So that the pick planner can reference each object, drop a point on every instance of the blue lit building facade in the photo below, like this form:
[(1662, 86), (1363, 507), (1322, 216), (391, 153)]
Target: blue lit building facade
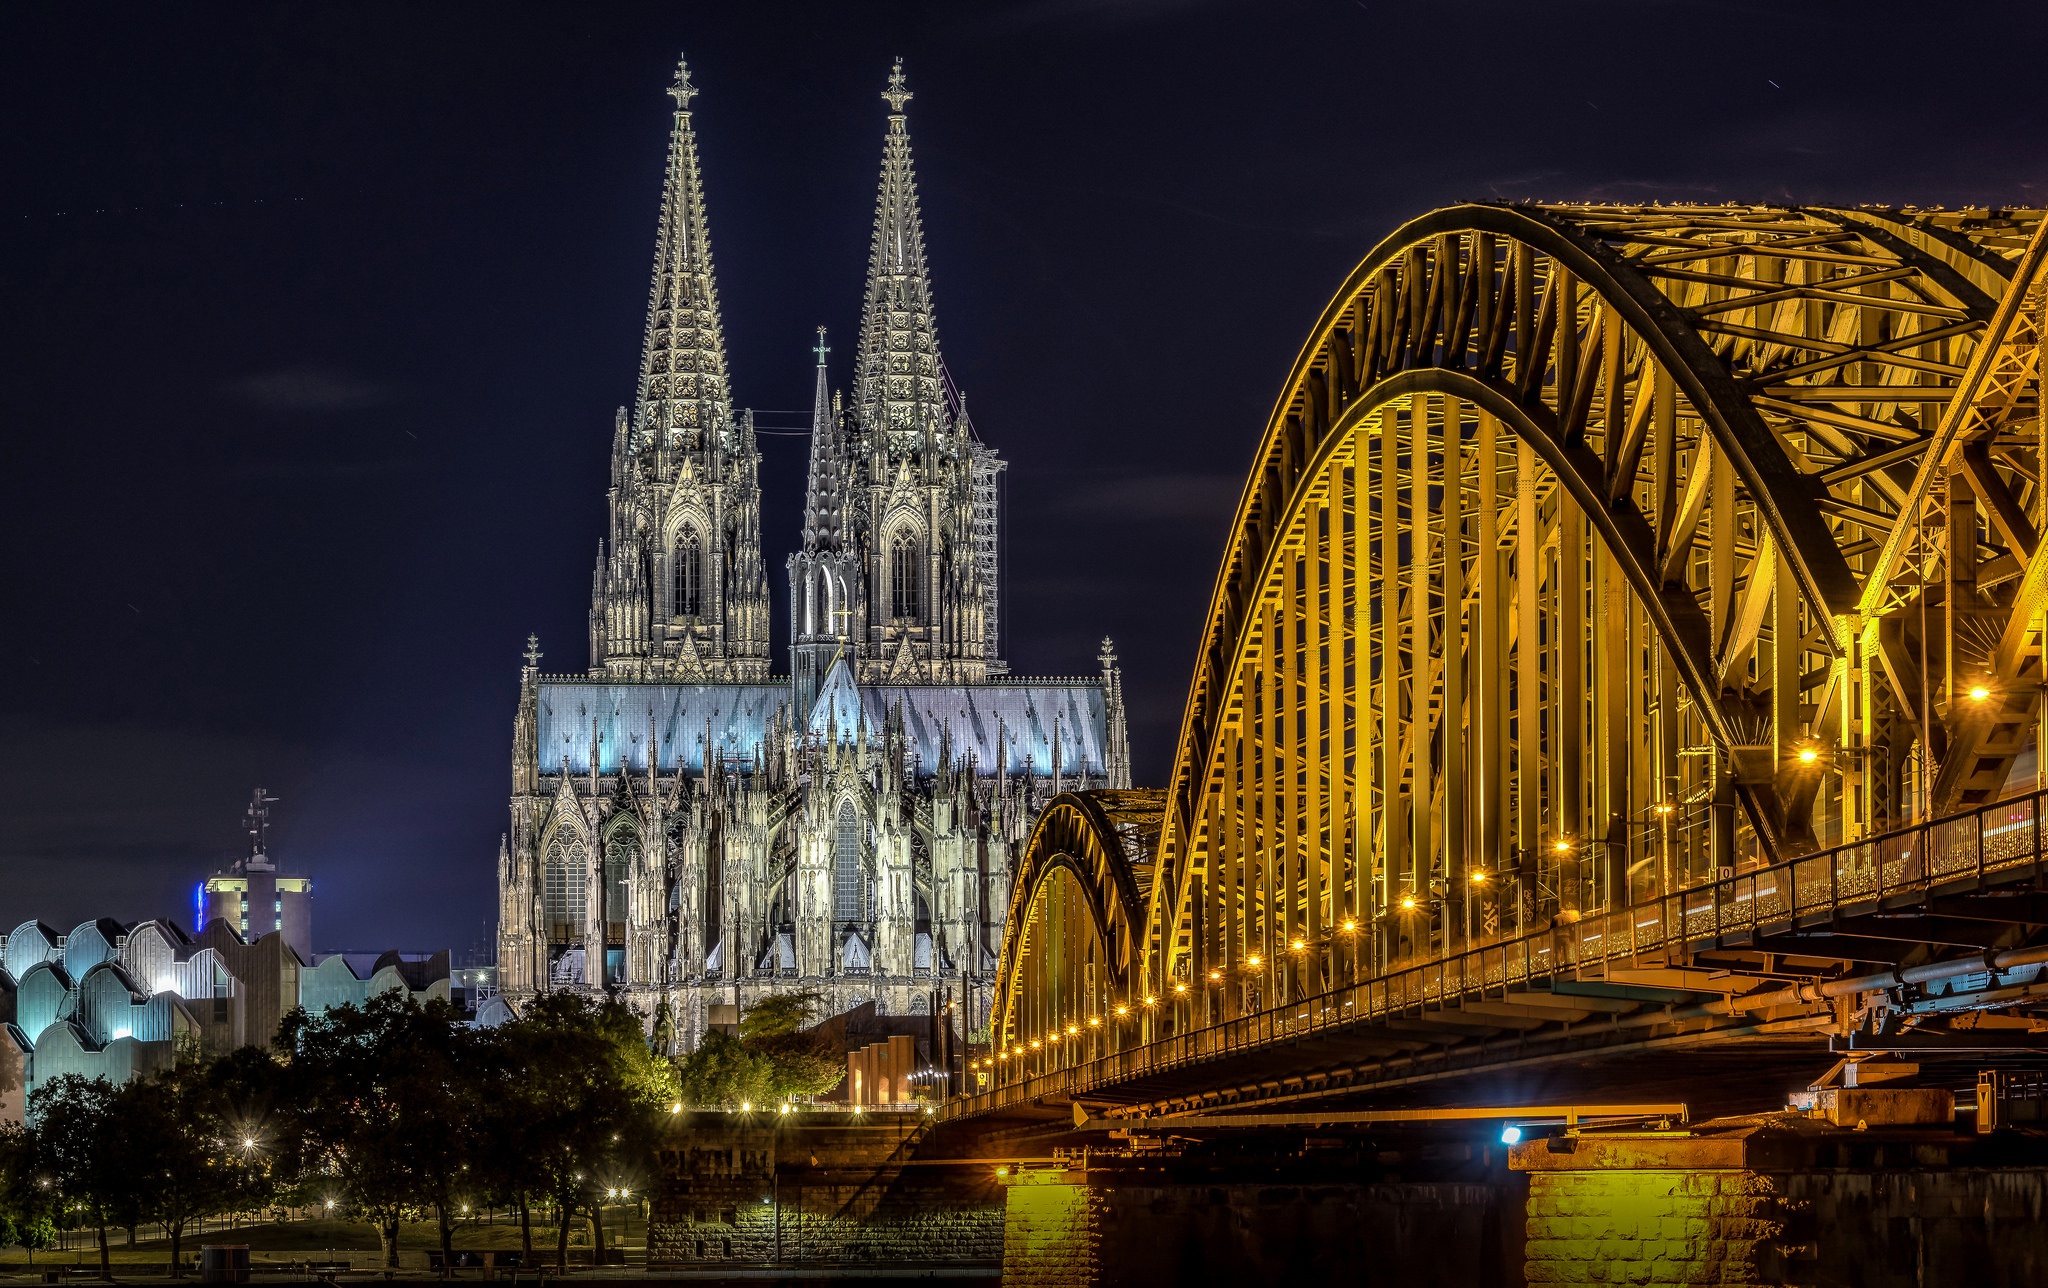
[(113, 1001)]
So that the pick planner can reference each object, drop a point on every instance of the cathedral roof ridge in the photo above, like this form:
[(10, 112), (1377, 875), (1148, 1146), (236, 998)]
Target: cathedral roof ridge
[(1006, 681)]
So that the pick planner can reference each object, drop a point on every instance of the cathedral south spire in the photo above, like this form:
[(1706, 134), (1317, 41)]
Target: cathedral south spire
[(683, 393), (921, 490), (898, 386)]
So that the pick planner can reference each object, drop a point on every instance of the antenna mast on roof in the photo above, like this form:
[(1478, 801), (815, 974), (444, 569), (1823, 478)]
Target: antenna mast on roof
[(256, 820)]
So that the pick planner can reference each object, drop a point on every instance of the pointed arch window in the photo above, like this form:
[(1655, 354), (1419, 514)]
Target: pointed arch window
[(621, 852), (686, 572), (849, 902), (905, 576), (564, 880)]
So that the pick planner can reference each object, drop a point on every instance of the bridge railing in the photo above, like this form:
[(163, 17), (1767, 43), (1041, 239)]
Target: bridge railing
[(1995, 838)]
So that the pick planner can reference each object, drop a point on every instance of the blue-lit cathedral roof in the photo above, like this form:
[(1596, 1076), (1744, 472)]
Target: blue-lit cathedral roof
[(618, 719)]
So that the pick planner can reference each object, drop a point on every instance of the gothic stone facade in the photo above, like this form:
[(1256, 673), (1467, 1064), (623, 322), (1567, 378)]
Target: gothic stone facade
[(693, 834)]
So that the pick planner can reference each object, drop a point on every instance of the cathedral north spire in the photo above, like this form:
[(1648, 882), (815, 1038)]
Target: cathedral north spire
[(684, 394), (898, 387)]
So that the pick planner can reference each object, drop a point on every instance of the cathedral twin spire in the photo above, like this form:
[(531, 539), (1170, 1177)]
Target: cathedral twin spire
[(896, 562), (897, 382), (684, 391)]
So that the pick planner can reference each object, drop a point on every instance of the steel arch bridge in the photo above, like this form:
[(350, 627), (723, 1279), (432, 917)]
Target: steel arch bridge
[(1591, 554)]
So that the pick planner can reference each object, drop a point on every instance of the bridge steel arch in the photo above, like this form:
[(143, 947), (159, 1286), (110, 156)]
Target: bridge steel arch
[(1591, 551), (1076, 917)]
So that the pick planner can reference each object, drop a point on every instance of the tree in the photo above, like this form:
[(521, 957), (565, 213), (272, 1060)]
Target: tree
[(499, 1163), (86, 1140), (196, 1140), (799, 1063), (772, 1059), (372, 1104), (722, 1071), (436, 1094), (587, 1092), (28, 1198)]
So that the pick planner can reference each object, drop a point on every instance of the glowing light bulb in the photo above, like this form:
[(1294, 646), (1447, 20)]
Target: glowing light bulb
[(1123, 1010), (1349, 925), (1408, 902), (1978, 693), (746, 1106), (1477, 878), (1562, 846), (1094, 1021), (1510, 1135), (1807, 755), (1179, 987), (1297, 945), (1663, 807), (676, 1108), (1149, 999), (1252, 960)]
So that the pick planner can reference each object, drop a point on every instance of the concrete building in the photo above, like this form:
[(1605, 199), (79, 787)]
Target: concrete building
[(112, 1001), (253, 896)]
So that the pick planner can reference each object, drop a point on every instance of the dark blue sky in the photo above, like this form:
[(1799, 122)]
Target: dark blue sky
[(315, 317)]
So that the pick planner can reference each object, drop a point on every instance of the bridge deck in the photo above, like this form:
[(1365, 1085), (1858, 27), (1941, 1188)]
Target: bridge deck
[(1943, 901)]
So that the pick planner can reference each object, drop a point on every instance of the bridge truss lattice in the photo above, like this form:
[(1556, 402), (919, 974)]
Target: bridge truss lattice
[(1592, 553)]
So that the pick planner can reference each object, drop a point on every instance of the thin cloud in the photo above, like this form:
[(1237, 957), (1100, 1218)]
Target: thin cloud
[(310, 389), (1183, 497), (1092, 13)]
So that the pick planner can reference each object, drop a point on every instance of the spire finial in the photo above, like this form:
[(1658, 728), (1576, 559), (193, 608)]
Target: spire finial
[(896, 96), (819, 348), (683, 91), (533, 653)]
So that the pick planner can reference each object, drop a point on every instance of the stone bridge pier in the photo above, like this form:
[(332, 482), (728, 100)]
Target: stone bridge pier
[(1886, 1189)]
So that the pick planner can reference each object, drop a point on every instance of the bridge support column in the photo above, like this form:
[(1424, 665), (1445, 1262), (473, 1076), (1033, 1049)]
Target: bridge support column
[(1787, 1200), (1254, 1218), (1050, 1236)]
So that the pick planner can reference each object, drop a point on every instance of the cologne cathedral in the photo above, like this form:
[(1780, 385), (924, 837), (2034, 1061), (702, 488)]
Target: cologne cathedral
[(691, 832)]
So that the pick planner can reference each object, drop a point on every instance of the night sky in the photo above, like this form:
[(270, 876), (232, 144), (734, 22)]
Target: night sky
[(313, 320)]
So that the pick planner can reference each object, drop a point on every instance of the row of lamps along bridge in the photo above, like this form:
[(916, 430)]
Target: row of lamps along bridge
[(1808, 752)]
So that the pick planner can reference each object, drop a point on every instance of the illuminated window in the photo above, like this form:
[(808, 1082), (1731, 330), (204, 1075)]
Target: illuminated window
[(847, 902), (905, 576), (563, 882), (621, 852), (688, 570)]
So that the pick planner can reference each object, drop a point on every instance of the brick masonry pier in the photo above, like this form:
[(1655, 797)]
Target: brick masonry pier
[(1867, 1197), (815, 1193)]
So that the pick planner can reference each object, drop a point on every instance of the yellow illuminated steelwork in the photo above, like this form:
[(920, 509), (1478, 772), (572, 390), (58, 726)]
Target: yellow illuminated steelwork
[(1566, 514)]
